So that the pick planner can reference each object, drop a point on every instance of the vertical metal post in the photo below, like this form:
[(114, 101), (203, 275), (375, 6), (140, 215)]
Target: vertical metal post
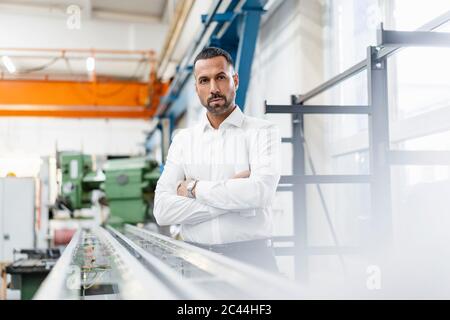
[(166, 133), (299, 200), (381, 216), (246, 49)]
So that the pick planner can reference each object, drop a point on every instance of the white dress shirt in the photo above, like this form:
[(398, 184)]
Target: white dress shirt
[(225, 210)]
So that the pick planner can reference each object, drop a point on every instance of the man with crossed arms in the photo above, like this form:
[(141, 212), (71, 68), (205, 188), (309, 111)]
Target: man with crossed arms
[(220, 177)]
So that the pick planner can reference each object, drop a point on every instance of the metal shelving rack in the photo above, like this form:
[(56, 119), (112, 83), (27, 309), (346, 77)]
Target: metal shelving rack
[(381, 156)]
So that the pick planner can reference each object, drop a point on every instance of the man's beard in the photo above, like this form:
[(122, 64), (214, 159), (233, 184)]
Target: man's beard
[(218, 109)]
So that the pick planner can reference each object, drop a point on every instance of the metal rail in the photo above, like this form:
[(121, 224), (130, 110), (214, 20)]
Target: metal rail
[(221, 277), (430, 26), (136, 282), (103, 263), (119, 270), (165, 274), (55, 285)]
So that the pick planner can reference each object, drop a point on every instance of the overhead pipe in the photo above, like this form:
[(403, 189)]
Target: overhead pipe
[(182, 11), (76, 50)]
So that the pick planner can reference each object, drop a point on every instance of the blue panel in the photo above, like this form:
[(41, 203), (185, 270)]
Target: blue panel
[(246, 50)]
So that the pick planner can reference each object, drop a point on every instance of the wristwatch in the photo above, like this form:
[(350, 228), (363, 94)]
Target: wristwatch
[(190, 186)]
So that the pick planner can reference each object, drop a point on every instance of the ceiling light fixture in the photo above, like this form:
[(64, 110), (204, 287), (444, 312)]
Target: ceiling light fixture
[(9, 64), (90, 64)]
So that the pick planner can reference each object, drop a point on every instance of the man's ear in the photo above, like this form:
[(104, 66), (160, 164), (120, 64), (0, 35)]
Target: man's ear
[(236, 80)]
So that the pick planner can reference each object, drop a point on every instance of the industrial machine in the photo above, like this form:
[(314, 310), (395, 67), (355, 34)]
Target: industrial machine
[(78, 180), (129, 187), (104, 263)]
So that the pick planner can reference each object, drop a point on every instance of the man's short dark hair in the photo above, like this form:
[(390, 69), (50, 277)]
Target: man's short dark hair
[(212, 52)]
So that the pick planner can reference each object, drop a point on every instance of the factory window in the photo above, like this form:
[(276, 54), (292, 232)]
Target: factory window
[(418, 88), (420, 95), (419, 110), (418, 78)]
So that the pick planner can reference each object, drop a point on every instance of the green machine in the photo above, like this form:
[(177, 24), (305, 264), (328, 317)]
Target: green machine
[(129, 187), (78, 180)]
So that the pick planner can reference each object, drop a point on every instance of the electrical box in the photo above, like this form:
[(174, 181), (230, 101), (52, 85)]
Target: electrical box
[(17, 215)]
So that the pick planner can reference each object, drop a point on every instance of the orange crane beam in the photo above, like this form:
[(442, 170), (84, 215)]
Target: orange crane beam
[(74, 112), (113, 99)]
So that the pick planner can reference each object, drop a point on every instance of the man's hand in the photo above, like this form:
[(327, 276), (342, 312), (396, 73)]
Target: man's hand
[(182, 188), (242, 174)]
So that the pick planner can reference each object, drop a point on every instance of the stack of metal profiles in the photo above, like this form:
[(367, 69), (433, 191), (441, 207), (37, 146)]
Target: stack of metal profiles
[(139, 264)]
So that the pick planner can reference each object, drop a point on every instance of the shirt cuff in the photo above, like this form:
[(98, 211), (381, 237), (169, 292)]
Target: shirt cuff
[(201, 190)]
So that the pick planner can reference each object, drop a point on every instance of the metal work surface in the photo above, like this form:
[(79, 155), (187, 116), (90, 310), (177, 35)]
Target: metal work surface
[(219, 276), (95, 266), (139, 264)]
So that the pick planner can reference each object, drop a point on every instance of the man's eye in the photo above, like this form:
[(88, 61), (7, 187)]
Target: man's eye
[(221, 77), (203, 81)]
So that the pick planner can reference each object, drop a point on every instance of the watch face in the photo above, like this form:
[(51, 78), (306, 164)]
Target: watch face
[(189, 188)]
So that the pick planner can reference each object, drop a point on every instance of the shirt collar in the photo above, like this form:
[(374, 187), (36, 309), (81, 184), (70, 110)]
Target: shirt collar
[(236, 118)]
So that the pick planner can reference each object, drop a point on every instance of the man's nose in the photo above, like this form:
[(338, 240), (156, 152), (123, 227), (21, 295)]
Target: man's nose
[(214, 88)]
